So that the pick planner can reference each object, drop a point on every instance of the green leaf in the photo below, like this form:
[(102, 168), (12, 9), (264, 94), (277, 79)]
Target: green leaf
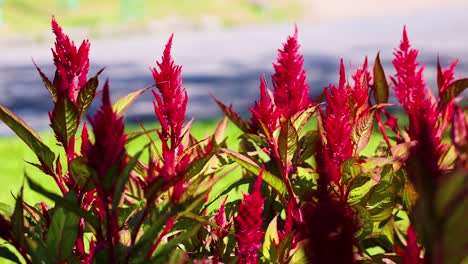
[(47, 83), (360, 188), (65, 119), (63, 231), (380, 89), (123, 179), (81, 173), (233, 116), (65, 203), (122, 104), (271, 237), (7, 253), (164, 250), (381, 200), (365, 222), (87, 93), (350, 170), (287, 142), (298, 255), (28, 135), (248, 164), (454, 89), (308, 144), (362, 131), (197, 165), (17, 220)]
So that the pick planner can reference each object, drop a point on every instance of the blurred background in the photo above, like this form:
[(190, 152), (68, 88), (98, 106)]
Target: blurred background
[(223, 45)]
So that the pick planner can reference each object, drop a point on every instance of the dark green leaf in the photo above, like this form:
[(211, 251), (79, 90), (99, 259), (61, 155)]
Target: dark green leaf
[(82, 173), (233, 116), (380, 88), (454, 89), (27, 134), (365, 223), (47, 83), (361, 187), (308, 144), (122, 104), (65, 120), (17, 220), (248, 164), (63, 231), (65, 203), (381, 199), (6, 253), (87, 93)]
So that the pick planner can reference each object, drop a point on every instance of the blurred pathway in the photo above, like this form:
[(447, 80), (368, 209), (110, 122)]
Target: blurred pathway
[(228, 64)]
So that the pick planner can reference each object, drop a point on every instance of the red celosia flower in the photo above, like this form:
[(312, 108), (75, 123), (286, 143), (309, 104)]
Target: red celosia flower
[(360, 93), (72, 64), (291, 92), (337, 126), (170, 107), (109, 138), (264, 112), (248, 224)]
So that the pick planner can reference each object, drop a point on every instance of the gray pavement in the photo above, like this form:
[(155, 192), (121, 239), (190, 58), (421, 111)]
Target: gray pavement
[(228, 63)]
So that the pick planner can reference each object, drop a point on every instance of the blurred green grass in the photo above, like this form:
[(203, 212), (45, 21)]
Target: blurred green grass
[(14, 155), (31, 16)]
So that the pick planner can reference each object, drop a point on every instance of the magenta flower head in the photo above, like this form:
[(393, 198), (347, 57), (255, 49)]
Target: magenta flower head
[(72, 64), (291, 91), (171, 104), (109, 138), (337, 126), (248, 224)]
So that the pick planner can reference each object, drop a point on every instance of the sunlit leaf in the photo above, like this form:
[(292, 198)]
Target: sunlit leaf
[(122, 104), (380, 89), (28, 135), (233, 116)]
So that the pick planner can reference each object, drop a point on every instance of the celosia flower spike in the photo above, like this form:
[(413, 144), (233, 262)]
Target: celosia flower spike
[(110, 139), (72, 64), (291, 91), (248, 224), (337, 127), (171, 104)]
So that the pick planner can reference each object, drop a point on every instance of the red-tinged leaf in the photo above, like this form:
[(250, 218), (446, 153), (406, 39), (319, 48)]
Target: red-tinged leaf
[(63, 231), (87, 94), (287, 142), (454, 89), (122, 104), (47, 83), (380, 88), (17, 220), (362, 131), (29, 136), (276, 183), (65, 119), (233, 116), (459, 129), (301, 119), (440, 77), (220, 130)]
